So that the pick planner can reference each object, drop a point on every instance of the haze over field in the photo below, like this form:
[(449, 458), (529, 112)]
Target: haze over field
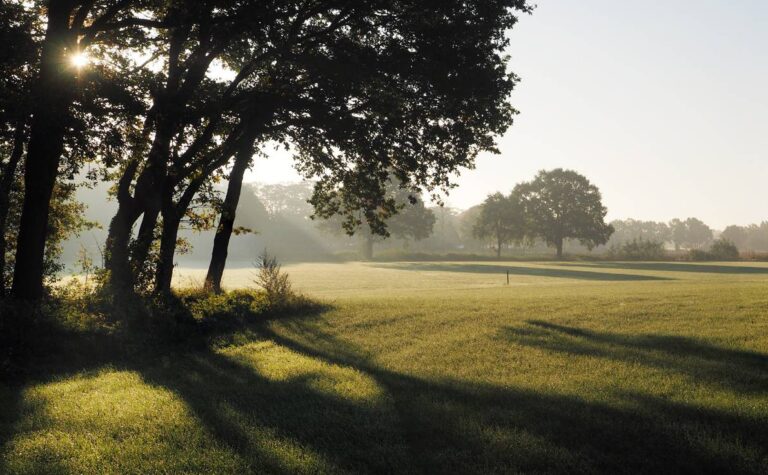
[(661, 104)]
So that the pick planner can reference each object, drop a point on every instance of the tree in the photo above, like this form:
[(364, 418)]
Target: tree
[(359, 89), (407, 105), (738, 235), (631, 230), (71, 27), (501, 220), (690, 234), (407, 218), (562, 204)]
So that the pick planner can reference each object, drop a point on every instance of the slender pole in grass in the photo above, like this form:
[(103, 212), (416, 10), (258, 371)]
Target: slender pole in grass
[(507, 276)]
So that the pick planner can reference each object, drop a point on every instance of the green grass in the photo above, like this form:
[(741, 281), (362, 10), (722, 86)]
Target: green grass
[(438, 368)]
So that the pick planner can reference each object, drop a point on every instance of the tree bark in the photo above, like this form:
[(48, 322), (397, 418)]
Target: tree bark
[(164, 274), (144, 239), (146, 200), (559, 245), (6, 188), (53, 97), (227, 220)]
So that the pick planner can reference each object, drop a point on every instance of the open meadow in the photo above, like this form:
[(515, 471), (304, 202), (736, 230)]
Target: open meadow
[(434, 367)]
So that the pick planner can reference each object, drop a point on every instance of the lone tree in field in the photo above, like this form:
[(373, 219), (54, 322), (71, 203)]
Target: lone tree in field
[(561, 204), (501, 220)]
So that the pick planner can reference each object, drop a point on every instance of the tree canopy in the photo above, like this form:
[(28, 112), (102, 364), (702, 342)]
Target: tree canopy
[(163, 96), (562, 204), (501, 220)]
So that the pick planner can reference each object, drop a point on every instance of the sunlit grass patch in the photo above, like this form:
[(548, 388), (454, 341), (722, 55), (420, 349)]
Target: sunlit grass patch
[(110, 421), (439, 370)]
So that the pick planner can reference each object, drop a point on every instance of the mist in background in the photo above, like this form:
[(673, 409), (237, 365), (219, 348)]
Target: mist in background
[(661, 104)]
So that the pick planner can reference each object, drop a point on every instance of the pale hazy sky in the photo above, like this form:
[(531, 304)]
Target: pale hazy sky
[(662, 104)]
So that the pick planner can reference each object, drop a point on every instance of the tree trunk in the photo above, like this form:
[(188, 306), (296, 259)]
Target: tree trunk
[(227, 220), (164, 273), (53, 98), (6, 188), (559, 245), (144, 240), (367, 247), (146, 199), (498, 248), (117, 248)]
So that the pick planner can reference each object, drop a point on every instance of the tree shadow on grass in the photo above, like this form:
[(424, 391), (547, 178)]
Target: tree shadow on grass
[(674, 267), (290, 400), (286, 422), (521, 271), (462, 427), (740, 370)]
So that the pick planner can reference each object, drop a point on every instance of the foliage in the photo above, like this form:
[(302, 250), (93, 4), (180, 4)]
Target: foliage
[(632, 229), (724, 249), (501, 220), (272, 279), (639, 249), (720, 250), (66, 221), (753, 237), (690, 234), (561, 204)]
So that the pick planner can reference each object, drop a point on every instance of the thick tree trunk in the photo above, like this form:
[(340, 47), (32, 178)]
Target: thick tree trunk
[(6, 188), (146, 200), (117, 248), (227, 220), (144, 239), (559, 246), (53, 98), (164, 273)]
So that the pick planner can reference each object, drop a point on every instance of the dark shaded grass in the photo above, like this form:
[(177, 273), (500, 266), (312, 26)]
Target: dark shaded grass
[(451, 426), (447, 424), (674, 267), (740, 370), (522, 271)]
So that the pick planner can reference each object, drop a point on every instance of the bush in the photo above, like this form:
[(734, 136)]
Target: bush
[(273, 280), (640, 249), (723, 249), (698, 255)]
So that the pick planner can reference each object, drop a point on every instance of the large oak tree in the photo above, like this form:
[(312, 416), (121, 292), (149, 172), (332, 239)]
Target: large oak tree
[(562, 204)]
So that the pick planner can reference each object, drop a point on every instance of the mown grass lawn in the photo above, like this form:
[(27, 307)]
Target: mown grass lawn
[(436, 368)]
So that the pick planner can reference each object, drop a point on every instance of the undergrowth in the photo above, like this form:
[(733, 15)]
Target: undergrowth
[(80, 324)]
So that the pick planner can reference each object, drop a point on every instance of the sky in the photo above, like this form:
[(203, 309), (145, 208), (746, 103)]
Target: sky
[(662, 104)]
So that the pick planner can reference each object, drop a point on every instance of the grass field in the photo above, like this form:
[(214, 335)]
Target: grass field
[(435, 368)]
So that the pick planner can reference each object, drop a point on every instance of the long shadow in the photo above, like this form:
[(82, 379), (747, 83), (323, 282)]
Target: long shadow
[(256, 416), (522, 271), (461, 427), (739, 370), (431, 425), (674, 267)]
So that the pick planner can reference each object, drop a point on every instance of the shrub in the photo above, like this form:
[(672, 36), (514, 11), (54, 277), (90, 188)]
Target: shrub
[(724, 249), (640, 249), (273, 280), (698, 255)]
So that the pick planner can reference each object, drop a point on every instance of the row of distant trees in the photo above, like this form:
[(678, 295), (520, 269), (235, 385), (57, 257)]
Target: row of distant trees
[(278, 217)]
